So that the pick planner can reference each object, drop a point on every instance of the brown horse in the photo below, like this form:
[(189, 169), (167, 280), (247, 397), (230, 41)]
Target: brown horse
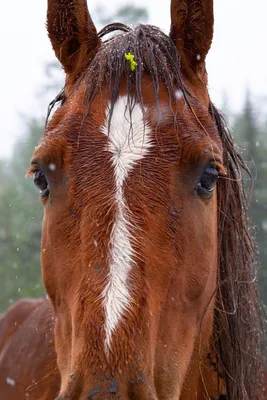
[(28, 367), (146, 256), (28, 360)]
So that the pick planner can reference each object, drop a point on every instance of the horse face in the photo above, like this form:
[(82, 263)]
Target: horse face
[(129, 242)]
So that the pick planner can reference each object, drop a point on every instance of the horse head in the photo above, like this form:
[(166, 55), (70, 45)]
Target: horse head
[(142, 209)]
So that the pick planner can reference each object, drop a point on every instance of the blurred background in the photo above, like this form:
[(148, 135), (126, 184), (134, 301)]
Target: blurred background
[(30, 78)]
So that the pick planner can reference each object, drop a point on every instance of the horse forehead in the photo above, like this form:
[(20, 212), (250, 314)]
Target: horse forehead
[(128, 132)]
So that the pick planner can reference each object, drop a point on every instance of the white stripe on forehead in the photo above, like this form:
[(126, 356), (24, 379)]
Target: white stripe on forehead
[(128, 140)]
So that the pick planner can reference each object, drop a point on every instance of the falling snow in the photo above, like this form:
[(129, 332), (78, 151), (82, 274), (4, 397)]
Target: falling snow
[(10, 381), (52, 167), (178, 94)]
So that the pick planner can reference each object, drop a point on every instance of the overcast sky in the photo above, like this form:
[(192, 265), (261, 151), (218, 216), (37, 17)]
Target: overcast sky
[(237, 60)]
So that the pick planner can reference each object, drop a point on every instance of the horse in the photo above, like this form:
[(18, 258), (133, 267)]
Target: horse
[(146, 254), (28, 367)]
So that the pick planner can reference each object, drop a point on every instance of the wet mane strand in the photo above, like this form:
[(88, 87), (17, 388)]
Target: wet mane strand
[(238, 330), (155, 54), (237, 327)]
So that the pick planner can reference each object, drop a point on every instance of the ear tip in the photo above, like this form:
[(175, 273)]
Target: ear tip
[(192, 30), (71, 31)]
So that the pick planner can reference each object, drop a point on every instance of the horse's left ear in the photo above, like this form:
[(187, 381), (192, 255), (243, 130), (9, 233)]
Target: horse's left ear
[(72, 33), (192, 31)]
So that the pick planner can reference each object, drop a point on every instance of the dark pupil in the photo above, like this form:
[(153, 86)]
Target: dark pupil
[(40, 180), (209, 178)]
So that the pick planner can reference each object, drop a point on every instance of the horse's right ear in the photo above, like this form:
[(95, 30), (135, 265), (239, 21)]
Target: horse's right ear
[(192, 32), (72, 33)]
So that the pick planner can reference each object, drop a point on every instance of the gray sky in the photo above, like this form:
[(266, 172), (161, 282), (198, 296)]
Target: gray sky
[(237, 60)]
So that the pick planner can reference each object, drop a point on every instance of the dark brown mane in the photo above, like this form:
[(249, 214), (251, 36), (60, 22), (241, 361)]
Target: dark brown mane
[(155, 53), (237, 328)]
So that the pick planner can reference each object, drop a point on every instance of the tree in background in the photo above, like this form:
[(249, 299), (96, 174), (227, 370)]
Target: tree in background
[(252, 136), (20, 222), (128, 14)]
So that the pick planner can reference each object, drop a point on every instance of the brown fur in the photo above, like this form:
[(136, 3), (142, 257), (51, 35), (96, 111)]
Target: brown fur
[(192, 31), (186, 332), (27, 357)]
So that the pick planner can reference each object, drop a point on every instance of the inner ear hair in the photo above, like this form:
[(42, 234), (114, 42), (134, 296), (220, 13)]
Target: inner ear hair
[(192, 31), (72, 33)]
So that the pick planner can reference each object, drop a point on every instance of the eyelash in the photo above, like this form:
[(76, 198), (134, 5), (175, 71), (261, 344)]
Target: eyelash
[(41, 182), (209, 178)]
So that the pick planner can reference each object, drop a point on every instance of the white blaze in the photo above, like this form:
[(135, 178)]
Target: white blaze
[(128, 141)]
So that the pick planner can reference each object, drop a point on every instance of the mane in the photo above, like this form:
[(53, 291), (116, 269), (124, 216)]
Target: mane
[(238, 330), (155, 53), (237, 333)]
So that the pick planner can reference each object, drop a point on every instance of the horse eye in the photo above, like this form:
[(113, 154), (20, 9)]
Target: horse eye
[(41, 182), (208, 181)]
